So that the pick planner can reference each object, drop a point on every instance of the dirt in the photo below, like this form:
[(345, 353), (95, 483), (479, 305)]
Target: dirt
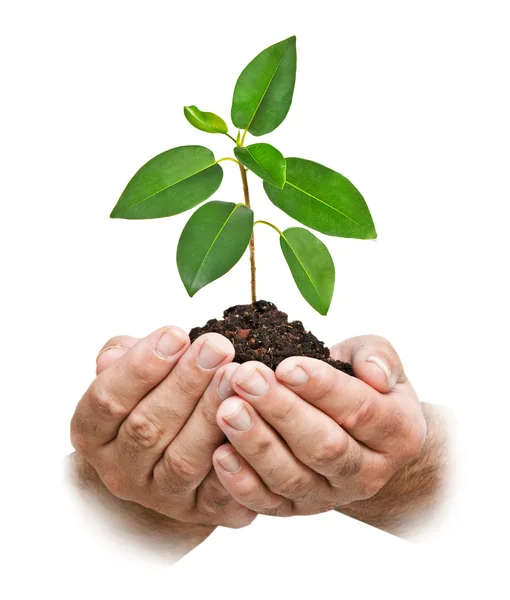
[(260, 331)]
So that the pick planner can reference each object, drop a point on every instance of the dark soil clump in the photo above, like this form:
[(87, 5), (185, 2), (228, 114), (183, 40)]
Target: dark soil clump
[(259, 331)]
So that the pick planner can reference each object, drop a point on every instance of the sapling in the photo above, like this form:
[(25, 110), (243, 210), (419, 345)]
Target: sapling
[(218, 233)]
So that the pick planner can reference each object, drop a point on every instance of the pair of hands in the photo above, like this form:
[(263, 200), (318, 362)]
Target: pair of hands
[(302, 440)]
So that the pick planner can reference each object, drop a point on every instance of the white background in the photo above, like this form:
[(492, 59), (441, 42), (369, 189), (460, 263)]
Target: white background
[(410, 101)]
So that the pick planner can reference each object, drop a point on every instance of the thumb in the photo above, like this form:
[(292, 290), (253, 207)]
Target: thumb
[(374, 361)]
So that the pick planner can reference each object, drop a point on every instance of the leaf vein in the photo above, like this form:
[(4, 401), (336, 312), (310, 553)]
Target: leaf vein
[(167, 187), (325, 204), (212, 244), (267, 88)]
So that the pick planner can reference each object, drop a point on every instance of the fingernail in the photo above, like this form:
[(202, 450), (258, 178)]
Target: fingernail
[(254, 384), (385, 368), (294, 375), (210, 357), (116, 347), (236, 415), (170, 342), (230, 462), (224, 387)]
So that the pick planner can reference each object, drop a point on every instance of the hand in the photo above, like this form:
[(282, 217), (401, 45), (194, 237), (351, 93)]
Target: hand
[(147, 424), (309, 438)]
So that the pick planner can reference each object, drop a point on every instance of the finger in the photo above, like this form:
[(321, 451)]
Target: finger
[(373, 359), (245, 486), (190, 453), (267, 453), (113, 350), (314, 438), (117, 390), (377, 420), (157, 419), (216, 506)]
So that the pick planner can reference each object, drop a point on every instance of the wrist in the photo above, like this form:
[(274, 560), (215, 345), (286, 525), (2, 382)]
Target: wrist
[(413, 495), (151, 529)]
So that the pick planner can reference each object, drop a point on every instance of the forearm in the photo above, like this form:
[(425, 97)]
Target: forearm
[(158, 532), (413, 495)]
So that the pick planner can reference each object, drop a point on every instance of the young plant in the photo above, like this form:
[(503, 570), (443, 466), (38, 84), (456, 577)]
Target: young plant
[(218, 233)]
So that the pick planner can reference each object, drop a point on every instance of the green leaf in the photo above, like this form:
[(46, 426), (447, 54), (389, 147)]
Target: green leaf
[(323, 200), (265, 161), (212, 242), (169, 184), (205, 121), (263, 92), (311, 266)]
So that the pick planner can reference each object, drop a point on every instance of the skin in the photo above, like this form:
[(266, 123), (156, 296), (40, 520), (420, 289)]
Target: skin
[(307, 438), (150, 437), (147, 425)]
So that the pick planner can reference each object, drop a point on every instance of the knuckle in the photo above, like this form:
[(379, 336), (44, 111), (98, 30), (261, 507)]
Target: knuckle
[(329, 450), (414, 440), (246, 491), (295, 486), (370, 487), (214, 501), (348, 467), (185, 384), (79, 442), (79, 439), (362, 416), (144, 370), (181, 474), (275, 510), (260, 449), (239, 522), (281, 411), (207, 416), (140, 429), (115, 484), (325, 380), (106, 402)]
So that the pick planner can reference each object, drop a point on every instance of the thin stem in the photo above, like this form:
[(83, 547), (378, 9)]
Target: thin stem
[(233, 139), (272, 227), (252, 239), (243, 137), (228, 158)]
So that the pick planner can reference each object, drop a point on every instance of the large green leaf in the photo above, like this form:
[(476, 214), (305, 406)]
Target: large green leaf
[(169, 184), (212, 242), (263, 92), (205, 121), (311, 266), (265, 161), (323, 199)]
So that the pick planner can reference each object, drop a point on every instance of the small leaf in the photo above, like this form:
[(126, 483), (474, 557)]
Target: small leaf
[(265, 161), (263, 92), (205, 121), (311, 266), (323, 200), (169, 184), (212, 242)]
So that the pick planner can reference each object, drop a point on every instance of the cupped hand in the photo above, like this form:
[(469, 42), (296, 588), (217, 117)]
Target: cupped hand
[(309, 438), (147, 424)]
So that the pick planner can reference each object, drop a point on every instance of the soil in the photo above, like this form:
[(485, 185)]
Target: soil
[(260, 331)]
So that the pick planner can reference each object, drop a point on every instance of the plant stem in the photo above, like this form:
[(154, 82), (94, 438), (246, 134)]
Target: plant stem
[(252, 240), (243, 137)]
